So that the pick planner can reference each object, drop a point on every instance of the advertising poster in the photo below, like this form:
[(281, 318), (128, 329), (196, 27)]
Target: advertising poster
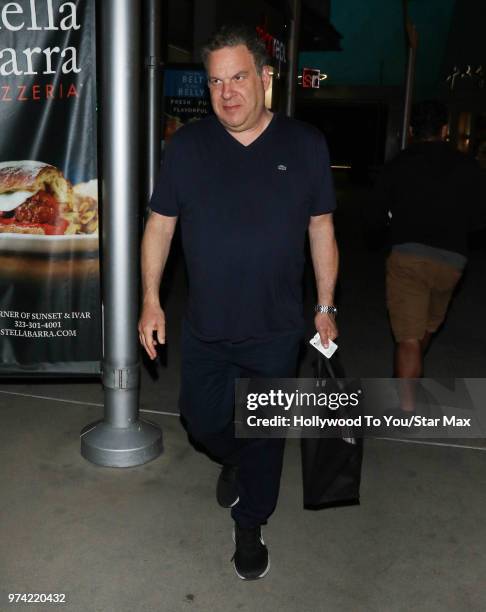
[(186, 98), (49, 247)]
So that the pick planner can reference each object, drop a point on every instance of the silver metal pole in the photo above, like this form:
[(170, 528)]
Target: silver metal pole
[(293, 58), (153, 93), (411, 38), (407, 110), (121, 439)]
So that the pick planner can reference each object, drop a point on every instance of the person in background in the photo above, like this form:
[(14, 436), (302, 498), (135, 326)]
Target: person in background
[(431, 196)]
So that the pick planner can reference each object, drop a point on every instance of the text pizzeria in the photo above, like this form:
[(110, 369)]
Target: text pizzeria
[(34, 60), (24, 93)]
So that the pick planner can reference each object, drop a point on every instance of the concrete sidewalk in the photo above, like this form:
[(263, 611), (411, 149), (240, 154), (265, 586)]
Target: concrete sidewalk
[(152, 538)]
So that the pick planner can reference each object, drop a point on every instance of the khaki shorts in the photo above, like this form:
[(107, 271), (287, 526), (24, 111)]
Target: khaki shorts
[(418, 292)]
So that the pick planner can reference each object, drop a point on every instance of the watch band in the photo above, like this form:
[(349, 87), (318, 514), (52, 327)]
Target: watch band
[(326, 308)]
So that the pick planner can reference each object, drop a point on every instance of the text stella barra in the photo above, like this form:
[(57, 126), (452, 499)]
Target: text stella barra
[(39, 15)]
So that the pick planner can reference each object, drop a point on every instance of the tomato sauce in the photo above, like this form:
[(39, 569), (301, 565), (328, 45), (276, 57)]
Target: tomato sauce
[(41, 210)]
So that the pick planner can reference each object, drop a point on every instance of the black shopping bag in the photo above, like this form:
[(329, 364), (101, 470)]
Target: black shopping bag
[(331, 467)]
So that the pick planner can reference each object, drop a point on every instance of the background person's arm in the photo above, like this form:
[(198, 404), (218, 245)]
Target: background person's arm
[(156, 243), (376, 206), (325, 259)]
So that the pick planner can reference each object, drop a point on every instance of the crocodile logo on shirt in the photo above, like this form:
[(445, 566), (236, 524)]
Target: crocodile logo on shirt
[(282, 167)]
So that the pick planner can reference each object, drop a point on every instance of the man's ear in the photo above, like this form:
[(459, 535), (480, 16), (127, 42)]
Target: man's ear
[(411, 132), (266, 77), (444, 132)]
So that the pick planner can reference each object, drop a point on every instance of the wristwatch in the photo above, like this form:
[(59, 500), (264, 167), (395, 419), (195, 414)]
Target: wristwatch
[(325, 308)]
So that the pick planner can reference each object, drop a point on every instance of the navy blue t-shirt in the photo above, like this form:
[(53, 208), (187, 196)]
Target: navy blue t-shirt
[(244, 213)]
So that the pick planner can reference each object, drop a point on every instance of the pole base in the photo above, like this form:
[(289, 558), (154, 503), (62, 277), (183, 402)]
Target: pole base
[(109, 446)]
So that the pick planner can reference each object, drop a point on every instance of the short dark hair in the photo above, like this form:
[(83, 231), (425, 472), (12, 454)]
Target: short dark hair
[(233, 36), (428, 118)]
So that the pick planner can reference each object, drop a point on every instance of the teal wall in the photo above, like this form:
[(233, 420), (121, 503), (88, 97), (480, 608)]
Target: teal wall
[(374, 48)]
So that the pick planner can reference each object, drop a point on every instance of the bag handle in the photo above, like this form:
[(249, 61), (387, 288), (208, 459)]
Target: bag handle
[(324, 368)]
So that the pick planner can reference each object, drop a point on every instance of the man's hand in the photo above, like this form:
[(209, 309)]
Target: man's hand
[(326, 326), (155, 249), (325, 258), (152, 319)]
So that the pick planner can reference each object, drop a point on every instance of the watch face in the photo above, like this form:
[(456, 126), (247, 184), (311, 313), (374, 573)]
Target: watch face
[(326, 309)]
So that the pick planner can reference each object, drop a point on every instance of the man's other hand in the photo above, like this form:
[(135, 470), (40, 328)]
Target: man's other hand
[(152, 320), (326, 326)]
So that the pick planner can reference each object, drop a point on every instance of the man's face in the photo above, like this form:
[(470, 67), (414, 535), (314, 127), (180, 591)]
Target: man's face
[(237, 91)]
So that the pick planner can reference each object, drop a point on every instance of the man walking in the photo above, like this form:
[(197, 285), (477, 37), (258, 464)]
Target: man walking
[(431, 195), (246, 186)]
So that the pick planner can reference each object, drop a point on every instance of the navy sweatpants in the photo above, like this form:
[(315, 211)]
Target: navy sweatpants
[(209, 370)]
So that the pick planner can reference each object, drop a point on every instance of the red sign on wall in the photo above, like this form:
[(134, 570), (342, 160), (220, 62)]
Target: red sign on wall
[(311, 78), (275, 48)]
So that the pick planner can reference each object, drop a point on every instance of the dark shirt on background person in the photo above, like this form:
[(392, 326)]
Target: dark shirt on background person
[(432, 196)]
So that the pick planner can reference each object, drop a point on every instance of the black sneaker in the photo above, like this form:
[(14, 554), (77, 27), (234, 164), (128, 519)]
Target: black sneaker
[(251, 558), (227, 489)]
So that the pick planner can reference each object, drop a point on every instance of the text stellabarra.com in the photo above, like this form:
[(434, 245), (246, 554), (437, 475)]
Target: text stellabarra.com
[(281, 399), (365, 420)]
